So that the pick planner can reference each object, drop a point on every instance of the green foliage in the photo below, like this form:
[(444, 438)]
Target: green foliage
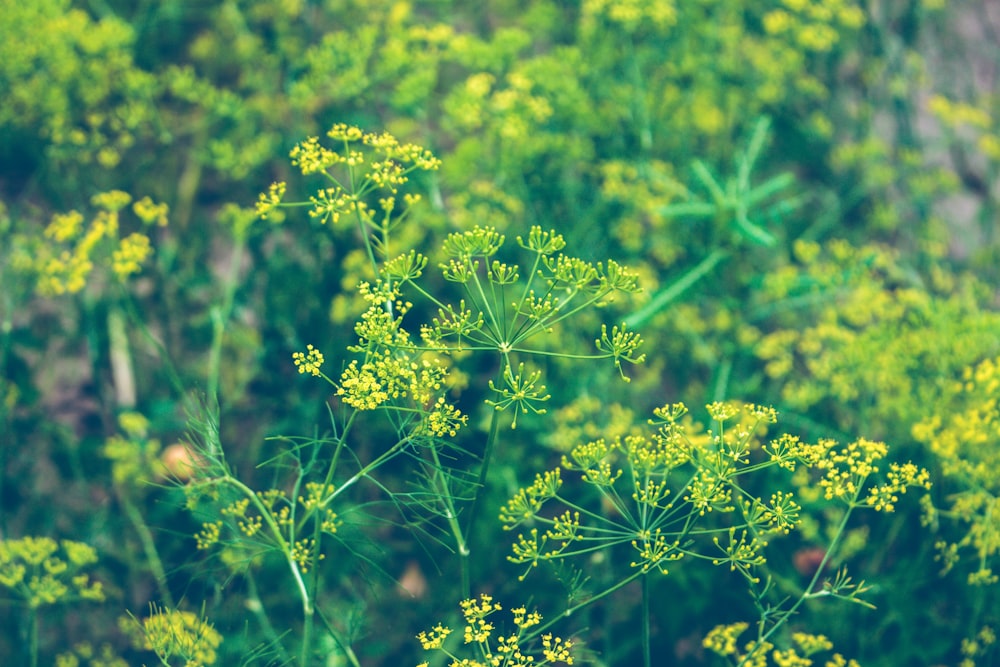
[(869, 305), (802, 191), (961, 436)]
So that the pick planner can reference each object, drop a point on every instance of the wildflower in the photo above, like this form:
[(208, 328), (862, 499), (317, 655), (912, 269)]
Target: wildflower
[(310, 157), (170, 633), (722, 638), (556, 649), (64, 226), (309, 361), (520, 391), (305, 553), (434, 638), (112, 201), (209, 534), (445, 419), (268, 202), (329, 204), (151, 213), (621, 346), (37, 574), (131, 253), (503, 649)]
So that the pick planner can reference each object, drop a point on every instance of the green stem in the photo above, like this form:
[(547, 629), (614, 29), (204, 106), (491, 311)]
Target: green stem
[(589, 601), (275, 531), (485, 468), (763, 636), (220, 317), (149, 547), (344, 646), (675, 289), (456, 530), (646, 654), (165, 363), (120, 357), (32, 637), (256, 607)]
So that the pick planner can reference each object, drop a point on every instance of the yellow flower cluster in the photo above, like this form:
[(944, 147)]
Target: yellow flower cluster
[(310, 157), (445, 419), (392, 370), (965, 437), (136, 459), (65, 262), (520, 391), (209, 535), (507, 110), (506, 650), (629, 14), (131, 253), (268, 202), (39, 571), (268, 516), (848, 469), (305, 553), (170, 633), (723, 640), (151, 213), (815, 24), (310, 361), (959, 116), (388, 167), (433, 638), (955, 114), (633, 477), (84, 653), (981, 645), (586, 418)]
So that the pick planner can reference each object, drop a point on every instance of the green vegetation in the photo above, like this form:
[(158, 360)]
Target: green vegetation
[(363, 333)]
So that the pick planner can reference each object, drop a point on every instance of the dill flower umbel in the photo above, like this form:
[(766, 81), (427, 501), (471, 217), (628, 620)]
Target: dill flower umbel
[(512, 650), (170, 633), (39, 571), (309, 361)]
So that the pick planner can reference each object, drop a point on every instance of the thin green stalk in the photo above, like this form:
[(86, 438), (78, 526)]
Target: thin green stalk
[(485, 468), (309, 610), (456, 530), (462, 535), (165, 363), (256, 607), (120, 359), (646, 654), (220, 317), (275, 531), (149, 547), (32, 637), (536, 631), (640, 105), (348, 652), (763, 636), (675, 289)]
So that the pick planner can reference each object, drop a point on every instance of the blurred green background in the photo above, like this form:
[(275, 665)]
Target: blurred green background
[(807, 189)]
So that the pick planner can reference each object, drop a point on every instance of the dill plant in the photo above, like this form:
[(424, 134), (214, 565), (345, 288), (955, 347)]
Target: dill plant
[(37, 572), (963, 434), (514, 109), (404, 377), (677, 492), (665, 494)]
